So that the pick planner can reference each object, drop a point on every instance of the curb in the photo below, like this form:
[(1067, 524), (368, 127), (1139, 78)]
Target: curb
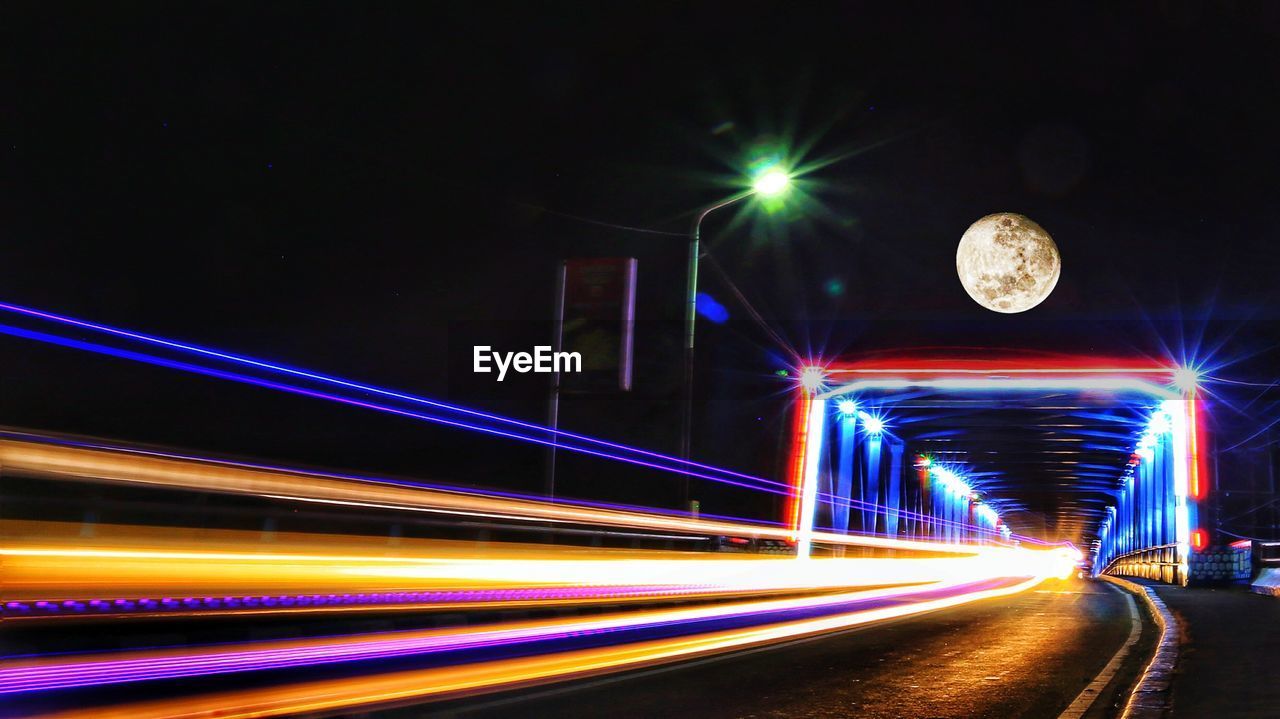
[(1151, 698)]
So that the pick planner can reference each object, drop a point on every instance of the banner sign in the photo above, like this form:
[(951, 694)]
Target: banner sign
[(597, 320)]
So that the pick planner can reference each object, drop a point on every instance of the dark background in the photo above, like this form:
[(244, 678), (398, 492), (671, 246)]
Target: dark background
[(353, 187)]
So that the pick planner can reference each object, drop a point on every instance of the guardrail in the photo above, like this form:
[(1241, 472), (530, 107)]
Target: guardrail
[(1156, 563), (1267, 553)]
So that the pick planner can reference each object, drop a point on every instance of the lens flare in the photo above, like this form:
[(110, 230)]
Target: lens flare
[(771, 182)]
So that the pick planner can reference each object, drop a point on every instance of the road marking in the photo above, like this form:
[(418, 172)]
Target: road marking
[(1100, 682)]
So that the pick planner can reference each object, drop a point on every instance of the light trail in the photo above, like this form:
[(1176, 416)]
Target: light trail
[(65, 441), (51, 571), (64, 672), (116, 466), (365, 404), (197, 350), (510, 428), (134, 451), (486, 676), (152, 571), (768, 486)]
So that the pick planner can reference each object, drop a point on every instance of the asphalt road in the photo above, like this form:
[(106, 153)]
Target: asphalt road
[(1028, 655)]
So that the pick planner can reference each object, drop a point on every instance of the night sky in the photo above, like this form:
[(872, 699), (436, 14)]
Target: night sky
[(357, 189)]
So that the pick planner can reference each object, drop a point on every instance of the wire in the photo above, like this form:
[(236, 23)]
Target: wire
[(1241, 536), (751, 310), (602, 223), (1251, 437), (1242, 383), (1247, 512)]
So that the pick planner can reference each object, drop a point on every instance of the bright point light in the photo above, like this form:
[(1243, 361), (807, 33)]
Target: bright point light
[(954, 483), (951, 481), (811, 378), (771, 182), (871, 423), (847, 407), (987, 514), (1186, 379)]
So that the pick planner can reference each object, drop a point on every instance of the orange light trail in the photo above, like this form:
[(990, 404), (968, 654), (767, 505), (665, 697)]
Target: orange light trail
[(731, 601), (480, 677), (49, 563), (124, 467)]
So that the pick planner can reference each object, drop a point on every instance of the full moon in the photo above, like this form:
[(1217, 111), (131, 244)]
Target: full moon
[(1007, 263)]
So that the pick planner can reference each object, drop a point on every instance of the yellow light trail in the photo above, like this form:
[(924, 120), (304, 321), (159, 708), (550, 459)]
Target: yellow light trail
[(50, 562), (470, 679), (125, 467)]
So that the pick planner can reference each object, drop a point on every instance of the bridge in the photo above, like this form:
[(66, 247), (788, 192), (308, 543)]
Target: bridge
[(1011, 529), (1110, 454)]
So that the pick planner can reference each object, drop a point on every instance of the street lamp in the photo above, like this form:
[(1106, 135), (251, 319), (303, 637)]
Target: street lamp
[(769, 182)]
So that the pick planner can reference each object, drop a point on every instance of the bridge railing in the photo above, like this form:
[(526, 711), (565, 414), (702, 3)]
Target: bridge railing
[(1156, 563)]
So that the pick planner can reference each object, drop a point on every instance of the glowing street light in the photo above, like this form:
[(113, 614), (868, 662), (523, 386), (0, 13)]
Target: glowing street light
[(772, 181)]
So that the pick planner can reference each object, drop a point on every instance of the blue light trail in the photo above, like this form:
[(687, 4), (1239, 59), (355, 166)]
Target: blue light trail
[(645, 458)]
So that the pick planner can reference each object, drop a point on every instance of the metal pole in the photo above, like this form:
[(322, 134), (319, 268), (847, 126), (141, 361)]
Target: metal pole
[(553, 402), (690, 325), (690, 319)]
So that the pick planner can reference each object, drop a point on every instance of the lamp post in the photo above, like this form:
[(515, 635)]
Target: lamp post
[(770, 182)]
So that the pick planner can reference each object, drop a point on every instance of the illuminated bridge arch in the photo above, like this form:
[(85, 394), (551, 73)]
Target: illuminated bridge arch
[(1120, 452)]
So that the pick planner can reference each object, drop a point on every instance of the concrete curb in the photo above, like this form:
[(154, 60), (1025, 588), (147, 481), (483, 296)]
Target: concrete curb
[(1151, 698), (1267, 583)]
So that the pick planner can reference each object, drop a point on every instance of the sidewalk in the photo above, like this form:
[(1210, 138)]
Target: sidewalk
[(1230, 652)]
